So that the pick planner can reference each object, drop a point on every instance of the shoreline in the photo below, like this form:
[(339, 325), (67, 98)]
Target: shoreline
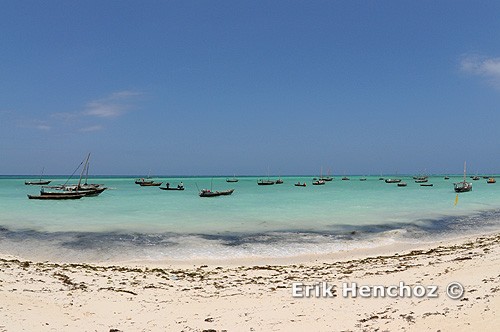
[(257, 296)]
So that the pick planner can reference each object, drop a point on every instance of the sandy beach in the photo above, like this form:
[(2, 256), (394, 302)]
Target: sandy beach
[(47, 296)]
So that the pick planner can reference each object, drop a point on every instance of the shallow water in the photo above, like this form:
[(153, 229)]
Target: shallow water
[(129, 222)]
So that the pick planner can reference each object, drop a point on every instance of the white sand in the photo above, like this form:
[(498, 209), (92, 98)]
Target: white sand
[(257, 296)]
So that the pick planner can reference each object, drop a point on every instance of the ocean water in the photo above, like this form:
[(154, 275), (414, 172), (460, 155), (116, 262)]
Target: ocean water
[(129, 222)]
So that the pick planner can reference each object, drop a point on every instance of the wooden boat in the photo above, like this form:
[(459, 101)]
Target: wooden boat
[(57, 197), (392, 180), (464, 186), (36, 183), (71, 190), (64, 190), (446, 177), (345, 178), (402, 184), (421, 180), (209, 193), (232, 180), (261, 182), (426, 185), (362, 179), (279, 181), (179, 187), (298, 184), (150, 184), (327, 178), (39, 182), (491, 180), (318, 182)]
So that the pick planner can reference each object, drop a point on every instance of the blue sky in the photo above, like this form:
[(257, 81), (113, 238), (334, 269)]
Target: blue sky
[(240, 87)]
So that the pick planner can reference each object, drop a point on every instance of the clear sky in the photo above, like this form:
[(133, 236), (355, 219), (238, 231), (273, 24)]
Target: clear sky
[(240, 87)]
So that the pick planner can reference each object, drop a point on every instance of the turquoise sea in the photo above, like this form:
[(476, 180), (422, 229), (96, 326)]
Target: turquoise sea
[(129, 222)]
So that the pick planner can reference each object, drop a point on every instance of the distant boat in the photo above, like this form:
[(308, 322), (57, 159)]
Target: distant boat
[(327, 178), (345, 178), (491, 180), (392, 180), (36, 183), (210, 193), (150, 184), (234, 179), (267, 182), (88, 190), (362, 179), (401, 184), (298, 184), (39, 182), (167, 187), (57, 196), (446, 177), (464, 186), (426, 185), (318, 182), (279, 181)]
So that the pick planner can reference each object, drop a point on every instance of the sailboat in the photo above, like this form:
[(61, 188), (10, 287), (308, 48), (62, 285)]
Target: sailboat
[(233, 179), (211, 193), (463, 186), (327, 178), (84, 189), (320, 181), (39, 182), (267, 182)]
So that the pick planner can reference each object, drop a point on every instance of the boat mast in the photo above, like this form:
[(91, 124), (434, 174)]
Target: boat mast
[(41, 174), (465, 164), (83, 170)]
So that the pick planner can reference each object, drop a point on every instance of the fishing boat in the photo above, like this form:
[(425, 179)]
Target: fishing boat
[(36, 183), (392, 180), (345, 178), (85, 189), (298, 184), (150, 184), (327, 178), (279, 181), (491, 180), (210, 193), (262, 182), (463, 186), (39, 182), (402, 184), (234, 179), (167, 187), (318, 182), (57, 196), (426, 185)]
